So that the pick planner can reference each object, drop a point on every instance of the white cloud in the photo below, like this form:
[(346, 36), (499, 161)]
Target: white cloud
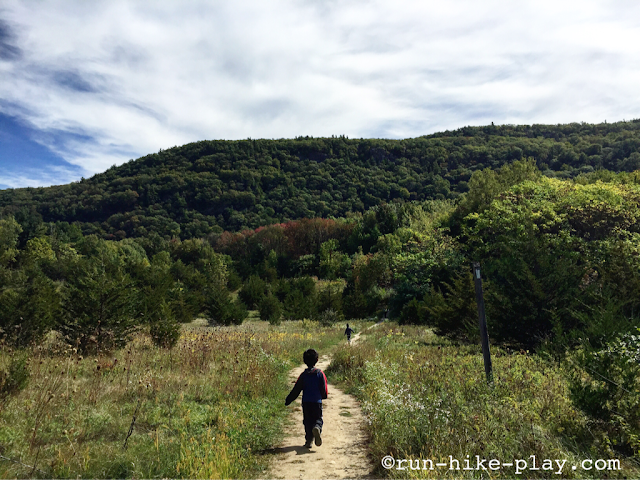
[(127, 78), (38, 177)]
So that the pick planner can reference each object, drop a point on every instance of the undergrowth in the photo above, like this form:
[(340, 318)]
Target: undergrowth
[(206, 409), (425, 398)]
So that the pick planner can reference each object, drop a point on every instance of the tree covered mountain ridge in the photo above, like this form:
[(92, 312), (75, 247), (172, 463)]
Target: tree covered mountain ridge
[(560, 255), (211, 186)]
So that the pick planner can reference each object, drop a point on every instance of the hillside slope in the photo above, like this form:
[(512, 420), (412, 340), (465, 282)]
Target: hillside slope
[(211, 186)]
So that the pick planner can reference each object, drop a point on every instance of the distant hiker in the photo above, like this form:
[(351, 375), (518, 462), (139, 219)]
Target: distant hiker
[(313, 385), (348, 333)]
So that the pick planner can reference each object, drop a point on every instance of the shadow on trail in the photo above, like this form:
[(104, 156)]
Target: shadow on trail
[(299, 450)]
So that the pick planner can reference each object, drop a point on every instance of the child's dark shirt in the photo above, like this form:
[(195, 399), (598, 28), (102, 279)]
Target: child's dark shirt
[(313, 385)]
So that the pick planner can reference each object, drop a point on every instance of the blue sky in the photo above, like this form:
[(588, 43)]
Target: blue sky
[(86, 85)]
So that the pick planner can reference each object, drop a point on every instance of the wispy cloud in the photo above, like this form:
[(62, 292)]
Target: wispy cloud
[(38, 177), (101, 82), (8, 49)]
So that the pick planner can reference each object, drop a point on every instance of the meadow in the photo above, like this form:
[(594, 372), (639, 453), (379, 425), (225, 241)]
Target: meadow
[(212, 407), (208, 408), (427, 398)]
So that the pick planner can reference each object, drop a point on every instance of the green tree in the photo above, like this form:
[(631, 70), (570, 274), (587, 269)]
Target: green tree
[(29, 306), (29, 300), (253, 291), (487, 184), (222, 310), (330, 298), (154, 284), (270, 309), (99, 302), (332, 261), (299, 300), (10, 231), (552, 249), (452, 308), (163, 328)]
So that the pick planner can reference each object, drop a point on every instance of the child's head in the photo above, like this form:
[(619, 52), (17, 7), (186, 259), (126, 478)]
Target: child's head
[(310, 357)]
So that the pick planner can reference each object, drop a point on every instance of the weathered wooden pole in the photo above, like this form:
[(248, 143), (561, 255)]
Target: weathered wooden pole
[(484, 335)]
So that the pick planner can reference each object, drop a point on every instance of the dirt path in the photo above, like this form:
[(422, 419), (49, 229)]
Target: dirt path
[(343, 453)]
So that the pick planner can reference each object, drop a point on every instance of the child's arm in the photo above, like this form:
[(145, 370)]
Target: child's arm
[(297, 388), (323, 386)]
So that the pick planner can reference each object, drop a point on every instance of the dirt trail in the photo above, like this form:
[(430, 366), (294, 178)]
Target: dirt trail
[(343, 453)]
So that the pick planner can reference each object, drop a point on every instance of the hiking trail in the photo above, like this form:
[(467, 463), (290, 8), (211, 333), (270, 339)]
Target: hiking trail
[(343, 453)]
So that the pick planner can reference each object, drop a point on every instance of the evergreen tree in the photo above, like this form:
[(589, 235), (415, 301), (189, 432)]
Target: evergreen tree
[(270, 309), (99, 302)]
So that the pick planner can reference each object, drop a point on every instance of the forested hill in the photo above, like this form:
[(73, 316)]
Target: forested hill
[(211, 186)]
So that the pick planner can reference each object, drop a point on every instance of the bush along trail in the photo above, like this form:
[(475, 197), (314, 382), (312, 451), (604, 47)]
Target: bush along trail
[(426, 401), (343, 453)]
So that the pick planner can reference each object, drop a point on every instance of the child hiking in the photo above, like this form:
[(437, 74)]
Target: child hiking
[(313, 385), (348, 333)]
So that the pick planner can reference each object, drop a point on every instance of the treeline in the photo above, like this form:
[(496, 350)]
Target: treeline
[(211, 186), (554, 253), (95, 293), (560, 261)]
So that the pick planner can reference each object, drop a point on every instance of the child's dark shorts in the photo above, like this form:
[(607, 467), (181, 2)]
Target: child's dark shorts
[(311, 417)]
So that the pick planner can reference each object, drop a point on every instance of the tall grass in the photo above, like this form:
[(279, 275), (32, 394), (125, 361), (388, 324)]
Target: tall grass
[(202, 410), (425, 398)]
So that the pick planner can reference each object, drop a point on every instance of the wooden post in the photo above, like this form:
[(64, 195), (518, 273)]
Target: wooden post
[(484, 335)]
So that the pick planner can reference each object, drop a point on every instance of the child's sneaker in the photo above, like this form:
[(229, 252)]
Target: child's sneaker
[(316, 436), (308, 444)]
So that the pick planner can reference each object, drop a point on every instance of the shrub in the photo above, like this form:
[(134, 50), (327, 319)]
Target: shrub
[(270, 309), (15, 377), (606, 386), (298, 296), (221, 309), (253, 291), (297, 306), (355, 305), (237, 312), (330, 297), (28, 307), (412, 312), (453, 309), (329, 317), (99, 302), (164, 330), (184, 306), (234, 282), (305, 285)]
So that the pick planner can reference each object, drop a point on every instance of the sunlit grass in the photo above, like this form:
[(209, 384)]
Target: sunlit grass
[(426, 398), (203, 410)]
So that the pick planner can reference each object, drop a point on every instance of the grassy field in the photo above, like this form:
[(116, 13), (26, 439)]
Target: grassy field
[(206, 409), (425, 398), (213, 406)]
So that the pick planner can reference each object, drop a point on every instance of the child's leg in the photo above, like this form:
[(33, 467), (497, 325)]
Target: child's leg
[(308, 419), (317, 429), (312, 417), (318, 419)]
